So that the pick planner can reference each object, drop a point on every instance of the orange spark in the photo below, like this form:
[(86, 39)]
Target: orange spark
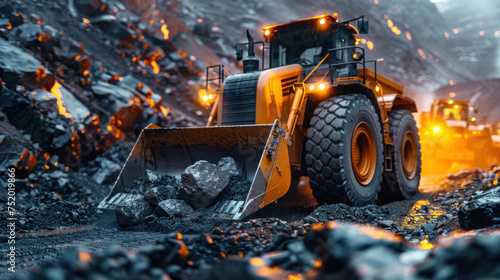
[(446, 35), (396, 30), (370, 45), (389, 23), (86, 20), (408, 35)]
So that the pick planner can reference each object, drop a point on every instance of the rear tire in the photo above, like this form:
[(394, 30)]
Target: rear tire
[(344, 151), (407, 156)]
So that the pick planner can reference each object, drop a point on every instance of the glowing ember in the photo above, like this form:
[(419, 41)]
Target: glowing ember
[(497, 33), (481, 33), (57, 93), (375, 1), (85, 257), (447, 35), (451, 82), (424, 244), (183, 251), (456, 30), (86, 20), (389, 23), (165, 31), (418, 215), (155, 66), (164, 110)]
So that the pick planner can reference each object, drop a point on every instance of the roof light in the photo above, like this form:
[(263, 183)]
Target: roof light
[(473, 119), (336, 16), (321, 86), (312, 87)]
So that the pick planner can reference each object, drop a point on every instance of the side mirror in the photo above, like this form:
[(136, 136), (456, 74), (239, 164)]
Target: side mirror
[(363, 26), (239, 54)]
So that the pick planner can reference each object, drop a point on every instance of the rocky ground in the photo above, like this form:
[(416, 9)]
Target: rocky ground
[(418, 237), (80, 79)]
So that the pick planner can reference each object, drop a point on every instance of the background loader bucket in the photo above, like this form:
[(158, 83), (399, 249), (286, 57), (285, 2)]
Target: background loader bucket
[(259, 150)]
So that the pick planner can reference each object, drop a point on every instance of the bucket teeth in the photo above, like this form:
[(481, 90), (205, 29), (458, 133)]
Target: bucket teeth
[(115, 200), (228, 209)]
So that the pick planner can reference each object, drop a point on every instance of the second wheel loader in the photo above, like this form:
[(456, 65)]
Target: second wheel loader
[(315, 109)]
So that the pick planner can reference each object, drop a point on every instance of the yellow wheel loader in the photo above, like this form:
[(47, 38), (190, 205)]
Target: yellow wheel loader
[(452, 131), (314, 110)]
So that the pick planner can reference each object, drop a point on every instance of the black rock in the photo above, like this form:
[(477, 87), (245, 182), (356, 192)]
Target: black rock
[(15, 63), (229, 165), (481, 210), (26, 33), (157, 194), (337, 244), (173, 208), (132, 211), (202, 183), (91, 7)]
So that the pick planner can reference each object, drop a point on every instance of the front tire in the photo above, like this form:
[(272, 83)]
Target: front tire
[(344, 151)]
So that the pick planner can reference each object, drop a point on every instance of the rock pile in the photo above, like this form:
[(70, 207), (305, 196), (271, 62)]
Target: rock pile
[(201, 184), (331, 251)]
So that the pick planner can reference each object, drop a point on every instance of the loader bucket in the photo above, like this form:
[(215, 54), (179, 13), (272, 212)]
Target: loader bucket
[(259, 150)]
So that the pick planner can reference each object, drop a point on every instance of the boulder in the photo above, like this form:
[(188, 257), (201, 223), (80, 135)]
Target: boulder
[(482, 210), (202, 182), (132, 211), (15, 63), (229, 165), (173, 208), (157, 194)]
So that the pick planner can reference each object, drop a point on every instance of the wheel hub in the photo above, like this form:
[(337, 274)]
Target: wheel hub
[(409, 155), (363, 153)]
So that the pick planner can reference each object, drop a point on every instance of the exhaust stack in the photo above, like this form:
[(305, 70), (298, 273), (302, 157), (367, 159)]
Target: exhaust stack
[(250, 63)]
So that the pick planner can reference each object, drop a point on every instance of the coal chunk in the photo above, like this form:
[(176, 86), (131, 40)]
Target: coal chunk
[(229, 165), (173, 208), (157, 194), (202, 182), (132, 211), (481, 210), (15, 63)]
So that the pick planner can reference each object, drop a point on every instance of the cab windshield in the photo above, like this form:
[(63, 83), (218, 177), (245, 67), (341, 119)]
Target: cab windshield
[(300, 47), (452, 113)]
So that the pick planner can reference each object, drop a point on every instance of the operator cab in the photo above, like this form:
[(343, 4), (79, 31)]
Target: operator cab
[(307, 42), (454, 113)]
